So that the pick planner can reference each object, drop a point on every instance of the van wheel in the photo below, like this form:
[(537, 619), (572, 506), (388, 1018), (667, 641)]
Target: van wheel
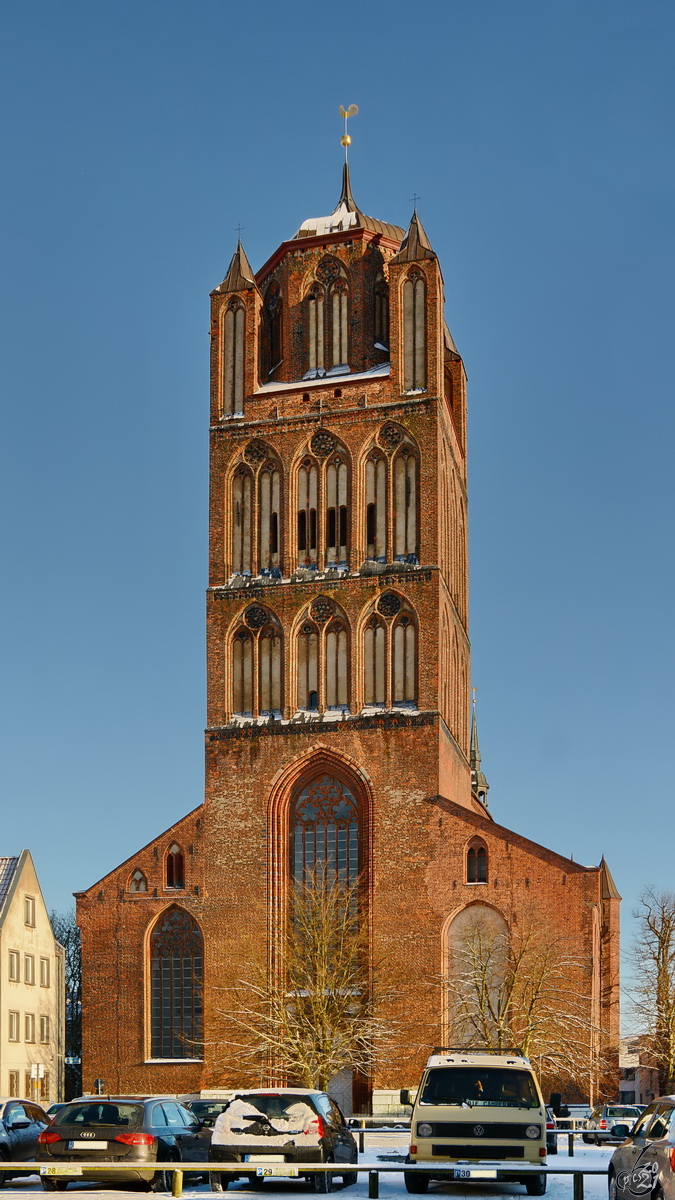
[(536, 1185), (415, 1182), (53, 1185)]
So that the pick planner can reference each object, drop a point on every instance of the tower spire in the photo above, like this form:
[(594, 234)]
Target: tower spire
[(479, 784)]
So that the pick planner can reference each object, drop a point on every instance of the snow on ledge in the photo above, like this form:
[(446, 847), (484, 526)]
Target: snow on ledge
[(304, 385)]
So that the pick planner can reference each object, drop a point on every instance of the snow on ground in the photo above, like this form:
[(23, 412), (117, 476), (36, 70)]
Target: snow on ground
[(391, 1186)]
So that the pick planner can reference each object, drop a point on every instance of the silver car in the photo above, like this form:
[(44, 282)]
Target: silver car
[(643, 1166), (604, 1116)]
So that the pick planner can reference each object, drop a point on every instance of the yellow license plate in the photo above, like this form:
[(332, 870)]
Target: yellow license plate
[(284, 1171), (70, 1169)]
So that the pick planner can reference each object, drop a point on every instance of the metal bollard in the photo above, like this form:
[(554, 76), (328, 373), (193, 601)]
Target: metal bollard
[(362, 1137), (374, 1185), (177, 1183), (578, 1180), (570, 1145)]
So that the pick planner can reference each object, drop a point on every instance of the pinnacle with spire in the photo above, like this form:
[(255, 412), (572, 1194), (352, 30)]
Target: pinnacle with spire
[(239, 276), (415, 244), (479, 784)]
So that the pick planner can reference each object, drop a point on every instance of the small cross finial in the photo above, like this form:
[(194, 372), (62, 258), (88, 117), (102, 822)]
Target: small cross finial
[(345, 140), (238, 229), (413, 201)]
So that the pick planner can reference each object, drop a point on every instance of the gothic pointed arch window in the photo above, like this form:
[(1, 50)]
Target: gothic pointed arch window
[(273, 327), (414, 331), (257, 664), (308, 666), (308, 507), (175, 867), (405, 502), (234, 332), (477, 862), (376, 506), (337, 665), (404, 655), (176, 977), (477, 948), (315, 324), (339, 323), (138, 882), (375, 655), (381, 306), (269, 508), (337, 511), (242, 498), (325, 833)]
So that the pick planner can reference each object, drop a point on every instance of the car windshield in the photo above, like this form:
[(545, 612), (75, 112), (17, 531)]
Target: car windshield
[(480, 1086), (207, 1112), (101, 1112), (623, 1112), (274, 1105)]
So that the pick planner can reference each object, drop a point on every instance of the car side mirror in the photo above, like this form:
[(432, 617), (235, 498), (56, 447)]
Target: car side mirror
[(20, 1124), (620, 1131), (404, 1097)]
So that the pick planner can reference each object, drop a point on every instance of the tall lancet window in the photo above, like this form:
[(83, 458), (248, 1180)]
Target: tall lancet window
[(242, 492), (375, 658), (315, 314), (404, 648), (325, 834), (337, 666), (376, 507), (270, 669), (381, 312), (308, 503), (405, 502), (338, 298), (336, 510), (176, 967), (233, 358), (414, 332), (242, 674), (273, 311), (308, 666), (269, 484)]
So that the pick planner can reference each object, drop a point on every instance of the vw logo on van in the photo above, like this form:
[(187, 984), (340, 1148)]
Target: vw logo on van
[(478, 1131)]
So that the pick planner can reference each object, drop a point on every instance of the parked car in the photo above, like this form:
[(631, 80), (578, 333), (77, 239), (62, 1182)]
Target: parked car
[(21, 1124), (603, 1117), (207, 1111), (551, 1132), (54, 1108), (143, 1130), (644, 1165), (281, 1131)]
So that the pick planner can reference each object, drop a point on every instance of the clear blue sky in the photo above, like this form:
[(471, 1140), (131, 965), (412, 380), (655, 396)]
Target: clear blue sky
[(539, 137)]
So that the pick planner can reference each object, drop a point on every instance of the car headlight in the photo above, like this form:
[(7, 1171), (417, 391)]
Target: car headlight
[(424, 1129), (532, 1131)]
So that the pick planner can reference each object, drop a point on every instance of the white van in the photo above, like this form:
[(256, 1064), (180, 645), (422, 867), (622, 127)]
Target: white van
[(482, 1111)]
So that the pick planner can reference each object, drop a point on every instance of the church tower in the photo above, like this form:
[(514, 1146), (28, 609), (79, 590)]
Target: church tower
[(338, 730)]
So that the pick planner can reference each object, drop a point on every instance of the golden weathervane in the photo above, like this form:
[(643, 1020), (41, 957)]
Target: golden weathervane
[(345, 140)]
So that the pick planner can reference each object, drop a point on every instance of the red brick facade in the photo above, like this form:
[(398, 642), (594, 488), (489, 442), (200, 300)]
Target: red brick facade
[(393, 729)]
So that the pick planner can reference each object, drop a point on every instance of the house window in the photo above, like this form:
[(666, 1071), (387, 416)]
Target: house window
[(44, 972), (29, 1027), (14, 966), (175, 867), (138, 882), (28, 968), (176, 958), (44, 1087), (29, 911), (13, 1026), (325, 833), (44, 1030), (476, 863), (14, 1083)]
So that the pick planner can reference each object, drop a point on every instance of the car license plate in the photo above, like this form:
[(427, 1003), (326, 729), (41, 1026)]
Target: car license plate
[(473, 1173), (71, 1169), (264, 1158), (80, 1144), (285, 1171)]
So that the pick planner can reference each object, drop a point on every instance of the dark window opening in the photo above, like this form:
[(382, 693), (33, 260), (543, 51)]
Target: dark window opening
[(274, 533), (312, 529), (176, 957), (476, 865), (175, 868), (330, 532), (313, 700), (302, 530), (370, 525), (343, 524)]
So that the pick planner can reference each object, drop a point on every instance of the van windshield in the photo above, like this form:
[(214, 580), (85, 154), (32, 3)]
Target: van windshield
[(470, 1087)]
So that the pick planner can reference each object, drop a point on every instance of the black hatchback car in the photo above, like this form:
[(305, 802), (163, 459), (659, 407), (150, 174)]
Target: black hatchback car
[(282, 1131), (21, 1124), (144, 1131)]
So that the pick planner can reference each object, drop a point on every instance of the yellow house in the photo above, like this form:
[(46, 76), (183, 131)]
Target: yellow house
[(32, 988)]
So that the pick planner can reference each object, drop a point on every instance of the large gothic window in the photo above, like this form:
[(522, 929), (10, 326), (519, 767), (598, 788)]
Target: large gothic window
[(308, 666), (257, 664), (337, 666), (375, 652), (414, 332), (376, 507), (405, 503), (340, 354), (269, 483), (391, 494), (336, 511), (176, 970), (325, 833), (390, 653), (255, 511), (327, 304), (323, 658), (308, 504), (234, 328), (241, 521), (315, 304)]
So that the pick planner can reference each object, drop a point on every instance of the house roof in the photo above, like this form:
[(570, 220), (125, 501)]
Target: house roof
[(346, 215), (7, 872)]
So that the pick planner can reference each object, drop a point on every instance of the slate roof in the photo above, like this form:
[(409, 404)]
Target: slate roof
[(347, 215), (7, 869), (239, 275)]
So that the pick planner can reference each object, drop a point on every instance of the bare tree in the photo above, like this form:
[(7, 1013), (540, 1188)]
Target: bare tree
[(653, 991), (322, 1014), (522, 989), (66, 932)]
